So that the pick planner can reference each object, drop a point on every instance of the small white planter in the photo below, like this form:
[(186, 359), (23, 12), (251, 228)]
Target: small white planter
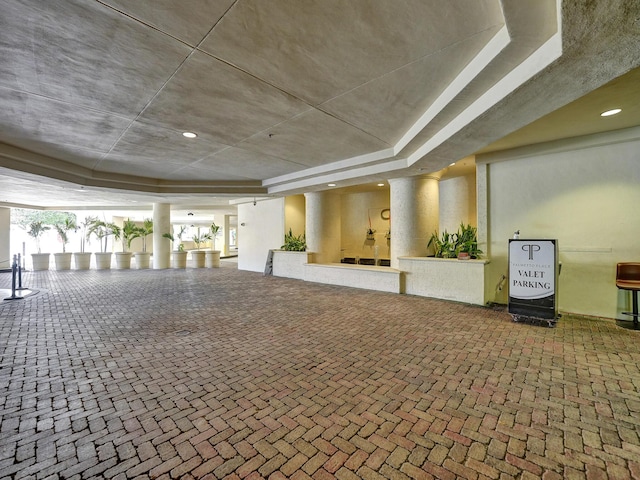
[(103, 260), (198, 257), (82, 260), (63, 261), (179, 259), (123, 260), (212, 258), (40, 261), (142, 260)]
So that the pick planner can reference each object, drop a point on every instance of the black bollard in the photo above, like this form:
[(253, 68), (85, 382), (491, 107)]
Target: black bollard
[(14, 272), (20, 287)]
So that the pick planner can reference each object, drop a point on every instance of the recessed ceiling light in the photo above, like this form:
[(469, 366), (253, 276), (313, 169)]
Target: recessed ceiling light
[(189, 134), (331, 184), (608, 113)]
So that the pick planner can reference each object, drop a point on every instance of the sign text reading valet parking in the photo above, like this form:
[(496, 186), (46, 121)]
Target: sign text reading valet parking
[(532, 269)]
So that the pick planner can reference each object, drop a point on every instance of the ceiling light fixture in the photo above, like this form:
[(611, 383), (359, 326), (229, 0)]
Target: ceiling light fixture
[(608, 113), (331, 184), (381, 184), (189, 134), (452, 164)]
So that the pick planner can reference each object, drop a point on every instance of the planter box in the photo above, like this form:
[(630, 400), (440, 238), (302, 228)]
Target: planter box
[(198, 258), (142, 260), (448, 279), (212, 258), (290, 264), (383, 279), (103, 260), (82, 260), (63, 261), (123, 260), (179, 259), (40, 261)]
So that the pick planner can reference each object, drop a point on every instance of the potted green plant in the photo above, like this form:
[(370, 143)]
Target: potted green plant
[(82, 259), (198, 256), (143, 257), (213, 256), (462, 244), (293, 243), (102, 231), (179, 255), (63, 227), (126, 234), (39, 260)]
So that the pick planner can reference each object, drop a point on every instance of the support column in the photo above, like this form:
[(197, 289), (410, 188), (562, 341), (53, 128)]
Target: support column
[(5, 236), (322, 226), (482, 207), (226, 233), (161, 245), (414, 215)]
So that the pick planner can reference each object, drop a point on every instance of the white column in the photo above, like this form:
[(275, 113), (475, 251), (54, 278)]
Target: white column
[(414, 215), (322, 226), (161, 245), (226, 233), (6, 257), (482, 207)]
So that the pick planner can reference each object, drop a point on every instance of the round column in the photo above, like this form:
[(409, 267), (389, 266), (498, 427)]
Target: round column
[(322, 226), (161, 245), (5, 235), (414, 215)]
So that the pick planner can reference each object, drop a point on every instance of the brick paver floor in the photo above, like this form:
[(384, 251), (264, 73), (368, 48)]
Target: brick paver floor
[(219, 373)]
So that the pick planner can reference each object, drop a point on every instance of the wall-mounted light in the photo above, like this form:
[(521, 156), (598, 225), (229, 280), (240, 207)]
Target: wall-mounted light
[(189, 134), (331, 184)]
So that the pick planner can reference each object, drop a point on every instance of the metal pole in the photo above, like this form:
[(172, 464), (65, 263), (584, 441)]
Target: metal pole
[(20, 287), (14, 271)]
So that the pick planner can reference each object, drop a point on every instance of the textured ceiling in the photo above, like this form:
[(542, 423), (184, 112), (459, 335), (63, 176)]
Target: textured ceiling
[(284, 96)]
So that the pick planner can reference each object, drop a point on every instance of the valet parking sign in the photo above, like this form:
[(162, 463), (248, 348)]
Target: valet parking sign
[(532, 277)]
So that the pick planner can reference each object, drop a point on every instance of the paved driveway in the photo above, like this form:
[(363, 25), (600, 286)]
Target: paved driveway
[(219, 373)]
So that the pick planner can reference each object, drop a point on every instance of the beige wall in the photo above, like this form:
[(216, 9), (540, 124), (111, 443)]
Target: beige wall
[(586, 194), (294, 215), (357, 208), (457, 203)]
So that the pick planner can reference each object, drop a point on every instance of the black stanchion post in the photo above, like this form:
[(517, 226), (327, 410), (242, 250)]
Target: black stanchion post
[(14, 271), (20, 287)]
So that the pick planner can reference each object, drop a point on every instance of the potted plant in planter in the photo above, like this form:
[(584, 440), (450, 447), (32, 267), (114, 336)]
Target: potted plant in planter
[(462, 244), (179, 255), (198, 255), (40, 260), (293, 243), (126, 234), (102, 231), (142, 258), (82, 259), (63, 260), (213, 256)]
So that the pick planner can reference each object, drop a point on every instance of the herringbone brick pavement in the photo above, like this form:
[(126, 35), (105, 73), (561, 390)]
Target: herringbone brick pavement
[(218, 373)]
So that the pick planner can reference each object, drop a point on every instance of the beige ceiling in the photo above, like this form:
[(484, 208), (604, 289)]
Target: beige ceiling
[(286, 96)]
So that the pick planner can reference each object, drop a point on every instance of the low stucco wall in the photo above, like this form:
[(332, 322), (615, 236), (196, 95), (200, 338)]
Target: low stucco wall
[(383, 279), (290, 264), (448, 279)]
